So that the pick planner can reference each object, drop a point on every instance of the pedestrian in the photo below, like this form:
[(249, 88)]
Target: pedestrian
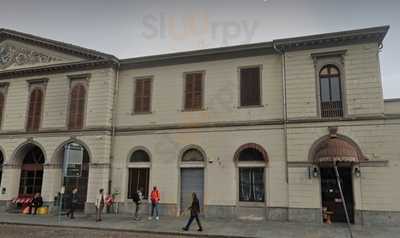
[(99, 204), (73, 202), (37, 202), (155, 201), (194, 213), (137, 199)]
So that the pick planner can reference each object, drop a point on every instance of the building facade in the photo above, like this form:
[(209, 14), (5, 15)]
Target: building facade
[(255, 130)]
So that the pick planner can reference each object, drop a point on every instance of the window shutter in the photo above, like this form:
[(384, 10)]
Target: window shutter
[(250, 87), (77, 107), (146, 95), (1, 107), (35, 110), (194, 91), (142, 95)]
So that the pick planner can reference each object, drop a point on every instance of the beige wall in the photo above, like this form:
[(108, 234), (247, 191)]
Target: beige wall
[(362, 81), (99, 152), (56, 99), (220, 146), (392, 107), (221, 93), (374, 189)]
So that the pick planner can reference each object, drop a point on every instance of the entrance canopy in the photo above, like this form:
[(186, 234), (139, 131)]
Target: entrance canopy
[(335, 148)]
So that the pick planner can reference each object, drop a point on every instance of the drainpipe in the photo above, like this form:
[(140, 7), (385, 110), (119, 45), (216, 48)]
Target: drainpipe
[(284, 112), (113, 124)]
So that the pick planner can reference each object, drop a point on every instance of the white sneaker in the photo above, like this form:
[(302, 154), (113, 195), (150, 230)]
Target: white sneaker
[(157, 218), (150, 218)]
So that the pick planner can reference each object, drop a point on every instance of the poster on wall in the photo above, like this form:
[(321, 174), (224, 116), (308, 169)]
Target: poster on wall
[(73, 157)]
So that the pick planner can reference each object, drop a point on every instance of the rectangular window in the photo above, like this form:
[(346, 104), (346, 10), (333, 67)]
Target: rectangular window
[(142, 95), (138, 179), (251, 184), (194, 91), (250, 85)]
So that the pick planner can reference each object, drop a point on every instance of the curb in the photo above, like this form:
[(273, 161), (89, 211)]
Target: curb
[(179, 234)]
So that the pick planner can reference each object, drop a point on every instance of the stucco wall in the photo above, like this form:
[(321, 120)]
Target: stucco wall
[(99, 152), (221, 98), (56, 98), (220, 146), (361, 81)]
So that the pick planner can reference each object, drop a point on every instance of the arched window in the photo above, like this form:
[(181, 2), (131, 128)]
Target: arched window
[(192, 155), (139, 156), (2, 98), (77, 106), (251, 160), (35, 110), (139, 173), (251, 154), (330, 92)]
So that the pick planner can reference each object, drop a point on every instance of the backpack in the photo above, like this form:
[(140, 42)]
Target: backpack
[(136, 198)]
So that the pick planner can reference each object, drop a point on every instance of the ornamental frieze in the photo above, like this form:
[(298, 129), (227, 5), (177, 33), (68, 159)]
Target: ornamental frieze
[(12, 55)]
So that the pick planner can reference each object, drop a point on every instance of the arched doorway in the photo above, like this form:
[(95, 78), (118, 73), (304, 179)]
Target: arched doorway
[(79, 181), (31, 170), (192, 164), (336, 156), (139, 164)]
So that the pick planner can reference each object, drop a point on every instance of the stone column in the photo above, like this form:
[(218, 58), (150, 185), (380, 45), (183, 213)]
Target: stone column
[(10, 181)]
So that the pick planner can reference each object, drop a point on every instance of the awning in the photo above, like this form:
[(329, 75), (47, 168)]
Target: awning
[(335, 149)]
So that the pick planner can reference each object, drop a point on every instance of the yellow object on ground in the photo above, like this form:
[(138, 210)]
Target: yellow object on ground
[(43, 211)]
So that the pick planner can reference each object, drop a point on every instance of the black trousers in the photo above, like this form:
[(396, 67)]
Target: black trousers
[(192, 217), (71, 211), (137, 207), (35, 207)]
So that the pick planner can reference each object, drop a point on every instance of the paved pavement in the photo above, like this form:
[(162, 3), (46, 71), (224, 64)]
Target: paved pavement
[(171, 227)]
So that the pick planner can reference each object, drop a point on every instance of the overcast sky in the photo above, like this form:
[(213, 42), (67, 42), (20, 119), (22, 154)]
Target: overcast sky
[(131, 28)]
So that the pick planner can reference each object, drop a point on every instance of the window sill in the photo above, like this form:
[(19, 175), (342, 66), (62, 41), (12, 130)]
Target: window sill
[(194, 110), (250, 106), (251, 204), (141, 113)]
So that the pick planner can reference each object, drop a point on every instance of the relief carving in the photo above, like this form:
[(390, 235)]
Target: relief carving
[(12, 55)]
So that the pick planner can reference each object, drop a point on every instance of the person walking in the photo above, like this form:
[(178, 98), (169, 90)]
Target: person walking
[(155, 201), (73, 203), (194, 213), (99, 204), (37, 202), (137, 199)]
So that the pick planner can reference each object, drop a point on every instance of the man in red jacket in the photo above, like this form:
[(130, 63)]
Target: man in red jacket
[(155, 201)]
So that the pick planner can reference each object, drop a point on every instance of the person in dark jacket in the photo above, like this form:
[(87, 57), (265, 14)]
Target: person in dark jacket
[(137, 199), (73, 203), (194, 213), (37, 202)]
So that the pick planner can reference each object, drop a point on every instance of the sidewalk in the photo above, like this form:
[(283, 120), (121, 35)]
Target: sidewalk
[(212, 227)]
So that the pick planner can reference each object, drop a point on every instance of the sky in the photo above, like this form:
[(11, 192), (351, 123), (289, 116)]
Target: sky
[(132, 28)]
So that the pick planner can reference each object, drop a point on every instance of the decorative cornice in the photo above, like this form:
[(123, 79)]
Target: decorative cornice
[(373, 34), (58, 68), (57, 132), (55, 45)]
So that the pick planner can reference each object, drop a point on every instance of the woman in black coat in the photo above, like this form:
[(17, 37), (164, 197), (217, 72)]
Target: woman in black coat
[(194, 213)]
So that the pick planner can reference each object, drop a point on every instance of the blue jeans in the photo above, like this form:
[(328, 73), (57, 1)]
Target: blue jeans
[(156, 207)]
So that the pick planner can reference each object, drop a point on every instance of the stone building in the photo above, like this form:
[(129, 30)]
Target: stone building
[(254, 129)]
